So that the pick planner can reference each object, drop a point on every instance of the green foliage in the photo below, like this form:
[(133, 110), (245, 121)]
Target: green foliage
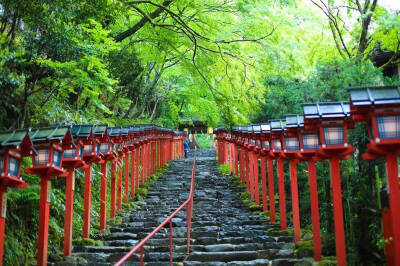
[(224, 169)]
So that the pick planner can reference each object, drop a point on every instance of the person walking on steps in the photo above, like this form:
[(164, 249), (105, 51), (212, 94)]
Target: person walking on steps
[(186, 147)]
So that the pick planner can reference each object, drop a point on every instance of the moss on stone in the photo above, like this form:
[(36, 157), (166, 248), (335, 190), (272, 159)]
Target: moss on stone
[(246, 201), (99, 243), (84, 242), (255, 207), (116, 221), (244, 195), (304, 248)]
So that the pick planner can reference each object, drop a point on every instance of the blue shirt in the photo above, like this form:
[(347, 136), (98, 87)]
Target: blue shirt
[(186, 145)]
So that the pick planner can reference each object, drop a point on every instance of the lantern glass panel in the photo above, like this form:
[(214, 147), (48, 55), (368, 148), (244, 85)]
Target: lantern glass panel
[(42, 157), (388, 126), (87, 149), (56, 158), (97, 148), (334, 135), (104, 147), (292, 144), (13, 166), (310, 141), (2, 163), (277, 144), (266, 144), (258, 143), (80, 151), (252, 142), (69, 153)]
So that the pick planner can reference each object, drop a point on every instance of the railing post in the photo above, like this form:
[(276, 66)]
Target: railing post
[(141, 256), (271, 190), (87, 201), (170, 242), (282, 200)]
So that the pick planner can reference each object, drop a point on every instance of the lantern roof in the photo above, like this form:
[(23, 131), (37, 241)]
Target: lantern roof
[(19, 137), (256, 128), (50, 133), (326, 110), (124, 131), (374, 95), (265, 128), (277, 124), (114, 131), (249, 129), (99, 130), (81, 131), (13, 138), (294, 121)]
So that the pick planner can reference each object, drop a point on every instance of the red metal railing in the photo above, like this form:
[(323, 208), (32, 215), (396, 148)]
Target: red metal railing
[(189, 208)]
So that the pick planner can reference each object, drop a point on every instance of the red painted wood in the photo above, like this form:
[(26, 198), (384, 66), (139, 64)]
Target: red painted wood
[(271, 193), (103, 196), (264, 184), (126, 183), (387, 235), (338, 212), (113, 189), (44, 211), (242, 165), (69, 212), (256, 181), (394, 201), (281, 190), (119, 187), (295, 200), (3, 190), (87, 199), (133, 173), (137, 164), (312, 180), (251, 175)]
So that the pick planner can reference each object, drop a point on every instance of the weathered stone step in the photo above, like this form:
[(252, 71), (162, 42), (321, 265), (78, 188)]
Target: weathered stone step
[(222, 256)]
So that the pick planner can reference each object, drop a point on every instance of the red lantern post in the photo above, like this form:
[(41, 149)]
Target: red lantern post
[(72, 158), (291, 149), (309, 145), (100, 132), (379, 108), (115, 198), (91, 154), (49, 143), (277, 127), (13, 146), (332, 120), (265, 154)]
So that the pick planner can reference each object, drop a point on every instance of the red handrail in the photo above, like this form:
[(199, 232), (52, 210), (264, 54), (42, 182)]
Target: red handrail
[(189, 204)]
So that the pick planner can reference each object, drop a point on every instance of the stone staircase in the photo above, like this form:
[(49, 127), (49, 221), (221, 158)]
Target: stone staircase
[(224, 231)]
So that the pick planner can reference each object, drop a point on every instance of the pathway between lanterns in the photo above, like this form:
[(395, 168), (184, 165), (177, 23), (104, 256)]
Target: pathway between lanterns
[(224, 230)]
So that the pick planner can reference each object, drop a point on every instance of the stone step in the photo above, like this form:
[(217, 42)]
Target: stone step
[(222, 256)]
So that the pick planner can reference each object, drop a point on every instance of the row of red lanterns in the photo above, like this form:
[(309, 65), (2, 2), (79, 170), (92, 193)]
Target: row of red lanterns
[(320, 133), (57, 151)]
